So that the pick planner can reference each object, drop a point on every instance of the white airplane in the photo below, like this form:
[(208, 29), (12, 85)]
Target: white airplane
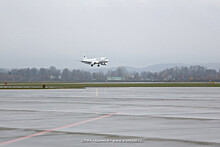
[(99, 61)]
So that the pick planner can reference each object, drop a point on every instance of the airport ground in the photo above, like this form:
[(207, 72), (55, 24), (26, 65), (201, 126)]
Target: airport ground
[(109, 116), (72, 85)]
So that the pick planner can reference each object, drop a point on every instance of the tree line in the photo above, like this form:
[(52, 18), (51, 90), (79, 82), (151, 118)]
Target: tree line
[(192, 73)]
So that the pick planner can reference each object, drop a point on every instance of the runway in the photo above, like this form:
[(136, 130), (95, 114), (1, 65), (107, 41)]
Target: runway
[(144, 116)]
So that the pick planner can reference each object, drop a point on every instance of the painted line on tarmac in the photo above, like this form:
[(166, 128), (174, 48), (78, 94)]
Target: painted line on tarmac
[(47, 131)]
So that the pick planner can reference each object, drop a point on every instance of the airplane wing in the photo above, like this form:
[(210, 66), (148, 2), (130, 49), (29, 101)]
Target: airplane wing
[(87, 62), (95, 62)]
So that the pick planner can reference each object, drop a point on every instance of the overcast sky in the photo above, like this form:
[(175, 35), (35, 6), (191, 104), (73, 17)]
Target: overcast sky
[(138, 33)]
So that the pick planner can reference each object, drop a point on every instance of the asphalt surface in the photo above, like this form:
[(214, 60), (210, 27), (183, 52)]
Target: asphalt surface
[(147, 116)]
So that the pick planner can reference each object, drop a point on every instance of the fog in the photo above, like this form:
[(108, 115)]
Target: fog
[(137, 33)]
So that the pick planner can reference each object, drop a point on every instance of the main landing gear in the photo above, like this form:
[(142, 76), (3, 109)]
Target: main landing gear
[(97, 65)]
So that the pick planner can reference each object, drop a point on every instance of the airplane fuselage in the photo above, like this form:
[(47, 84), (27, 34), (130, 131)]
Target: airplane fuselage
[(99, 61)]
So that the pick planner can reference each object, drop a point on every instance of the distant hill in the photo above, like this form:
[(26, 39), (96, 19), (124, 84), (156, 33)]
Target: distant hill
[(215, 66), (160, 67), (152, 68)]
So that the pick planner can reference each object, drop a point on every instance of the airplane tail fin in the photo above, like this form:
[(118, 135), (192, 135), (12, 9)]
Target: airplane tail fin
[(84, 56)]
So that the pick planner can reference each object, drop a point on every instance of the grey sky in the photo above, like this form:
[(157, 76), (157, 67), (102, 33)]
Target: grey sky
[(130, 32)]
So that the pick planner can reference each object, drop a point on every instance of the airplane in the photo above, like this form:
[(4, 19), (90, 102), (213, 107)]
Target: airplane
[(99, 61)]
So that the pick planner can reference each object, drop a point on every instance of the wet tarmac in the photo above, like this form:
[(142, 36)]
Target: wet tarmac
[(110, 117)]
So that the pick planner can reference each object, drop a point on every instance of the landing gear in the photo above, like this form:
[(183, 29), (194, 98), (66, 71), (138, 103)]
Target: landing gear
[(92, 65), (98, 65)]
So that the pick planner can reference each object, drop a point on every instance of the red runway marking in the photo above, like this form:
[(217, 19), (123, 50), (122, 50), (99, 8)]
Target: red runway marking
[(43, 132)]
